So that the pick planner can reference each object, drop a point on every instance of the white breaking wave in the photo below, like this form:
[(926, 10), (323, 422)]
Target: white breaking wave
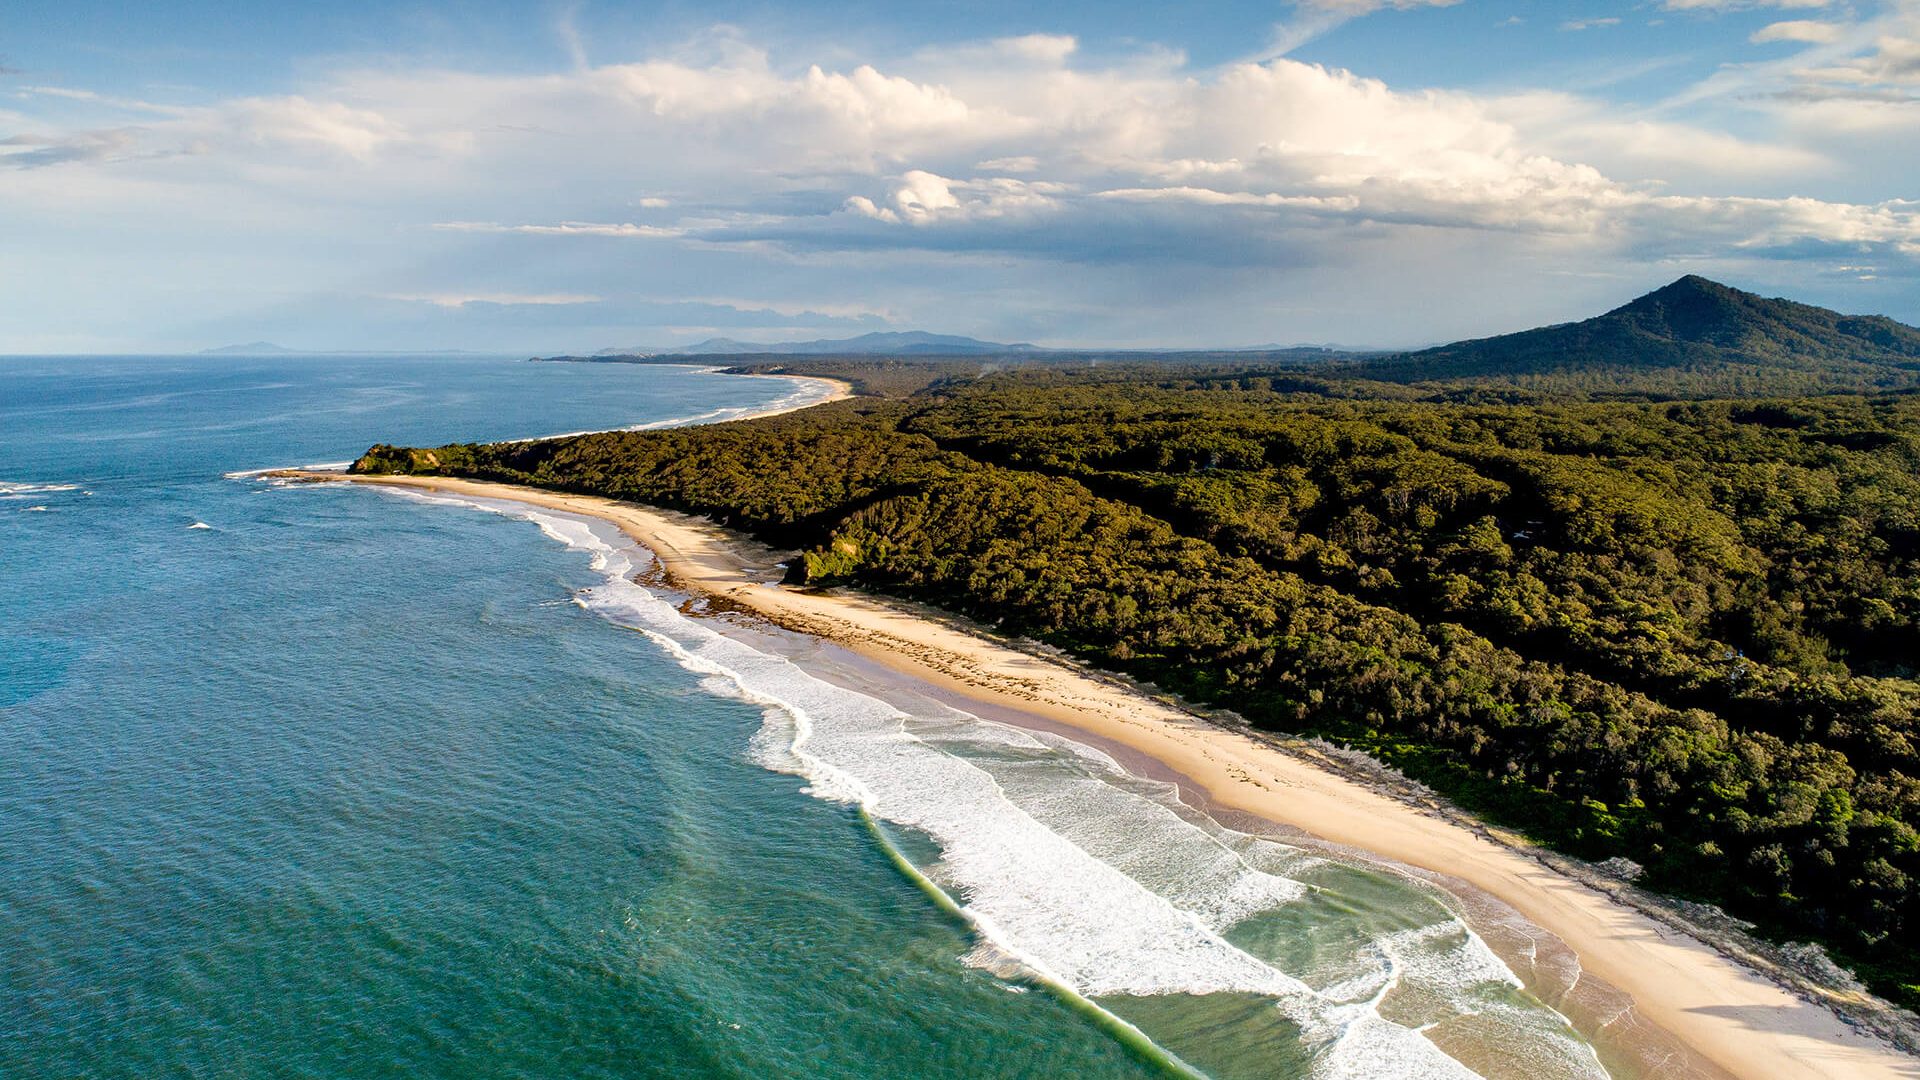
[(1097, 880), (199, 525), (318, 466), (12, 490)]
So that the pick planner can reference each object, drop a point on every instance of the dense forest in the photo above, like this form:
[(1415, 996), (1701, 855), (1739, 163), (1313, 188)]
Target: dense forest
[(1681, 631)]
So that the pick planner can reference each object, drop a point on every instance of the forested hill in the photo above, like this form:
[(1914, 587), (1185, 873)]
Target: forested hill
[(1692, 328), (1684, 633)]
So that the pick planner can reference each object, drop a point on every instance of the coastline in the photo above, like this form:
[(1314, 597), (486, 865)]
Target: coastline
[(1732, 1019), (839, 390), (836, 390)]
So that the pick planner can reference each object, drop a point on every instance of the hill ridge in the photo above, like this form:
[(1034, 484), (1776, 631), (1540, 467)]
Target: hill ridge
[(1692, 326)]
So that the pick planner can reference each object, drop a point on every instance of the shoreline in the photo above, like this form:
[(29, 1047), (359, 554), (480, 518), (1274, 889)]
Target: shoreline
[(1686, 994), (839, 390)]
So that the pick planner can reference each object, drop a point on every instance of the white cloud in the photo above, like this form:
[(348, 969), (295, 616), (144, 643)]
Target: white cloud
[(1017, 151), (921, 198), (566, 27), (1313, 18), (1049, 49), (330, 125), (287, 123), (1645, 149), (1852, 82), (893, 149), (1852, 88), (1893, 60), (1589, 24), (1801, 30)]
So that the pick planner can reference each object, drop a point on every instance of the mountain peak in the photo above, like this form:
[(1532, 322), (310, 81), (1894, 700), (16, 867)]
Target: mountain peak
[(1697, 327), (1692, 289), (1698, 309), (1691, 284)]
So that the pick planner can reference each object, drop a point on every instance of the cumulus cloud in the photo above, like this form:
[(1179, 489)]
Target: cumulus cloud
[(922, 198), (1032, 152), (1017, 149)]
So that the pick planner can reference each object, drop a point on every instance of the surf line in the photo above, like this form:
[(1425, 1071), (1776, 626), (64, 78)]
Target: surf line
[(1135, 1040), (1130, 1037)]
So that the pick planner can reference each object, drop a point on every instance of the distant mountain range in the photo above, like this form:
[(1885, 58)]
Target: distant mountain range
[(1693, 335), (909, 343), (251, 348), (1693, 326)]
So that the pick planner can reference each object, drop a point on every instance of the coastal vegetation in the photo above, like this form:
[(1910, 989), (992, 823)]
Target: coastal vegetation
[(1662, 603)]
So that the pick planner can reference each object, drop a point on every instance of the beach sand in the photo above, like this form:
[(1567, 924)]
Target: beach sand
[(1664, 999)]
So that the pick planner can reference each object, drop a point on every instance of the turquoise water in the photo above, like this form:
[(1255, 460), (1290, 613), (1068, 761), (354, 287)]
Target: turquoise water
[(317, 781)]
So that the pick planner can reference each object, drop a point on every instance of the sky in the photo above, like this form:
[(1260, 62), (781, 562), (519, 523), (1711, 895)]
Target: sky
[(571, 176)]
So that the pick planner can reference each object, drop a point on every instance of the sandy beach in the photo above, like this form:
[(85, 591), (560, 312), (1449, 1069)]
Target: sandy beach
[(1678, 1006), (836, 390)]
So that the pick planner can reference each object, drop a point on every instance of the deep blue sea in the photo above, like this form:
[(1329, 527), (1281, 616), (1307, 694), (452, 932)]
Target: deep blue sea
[(311, 781)]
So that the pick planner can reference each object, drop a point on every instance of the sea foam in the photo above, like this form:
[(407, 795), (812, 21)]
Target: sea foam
[(1097, 880), (318, 466), (21, 489)]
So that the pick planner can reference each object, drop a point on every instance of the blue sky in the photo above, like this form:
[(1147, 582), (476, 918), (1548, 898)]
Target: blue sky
[(555, 177)]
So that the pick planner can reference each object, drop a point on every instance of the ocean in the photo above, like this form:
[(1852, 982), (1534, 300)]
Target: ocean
[(315, 781)]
